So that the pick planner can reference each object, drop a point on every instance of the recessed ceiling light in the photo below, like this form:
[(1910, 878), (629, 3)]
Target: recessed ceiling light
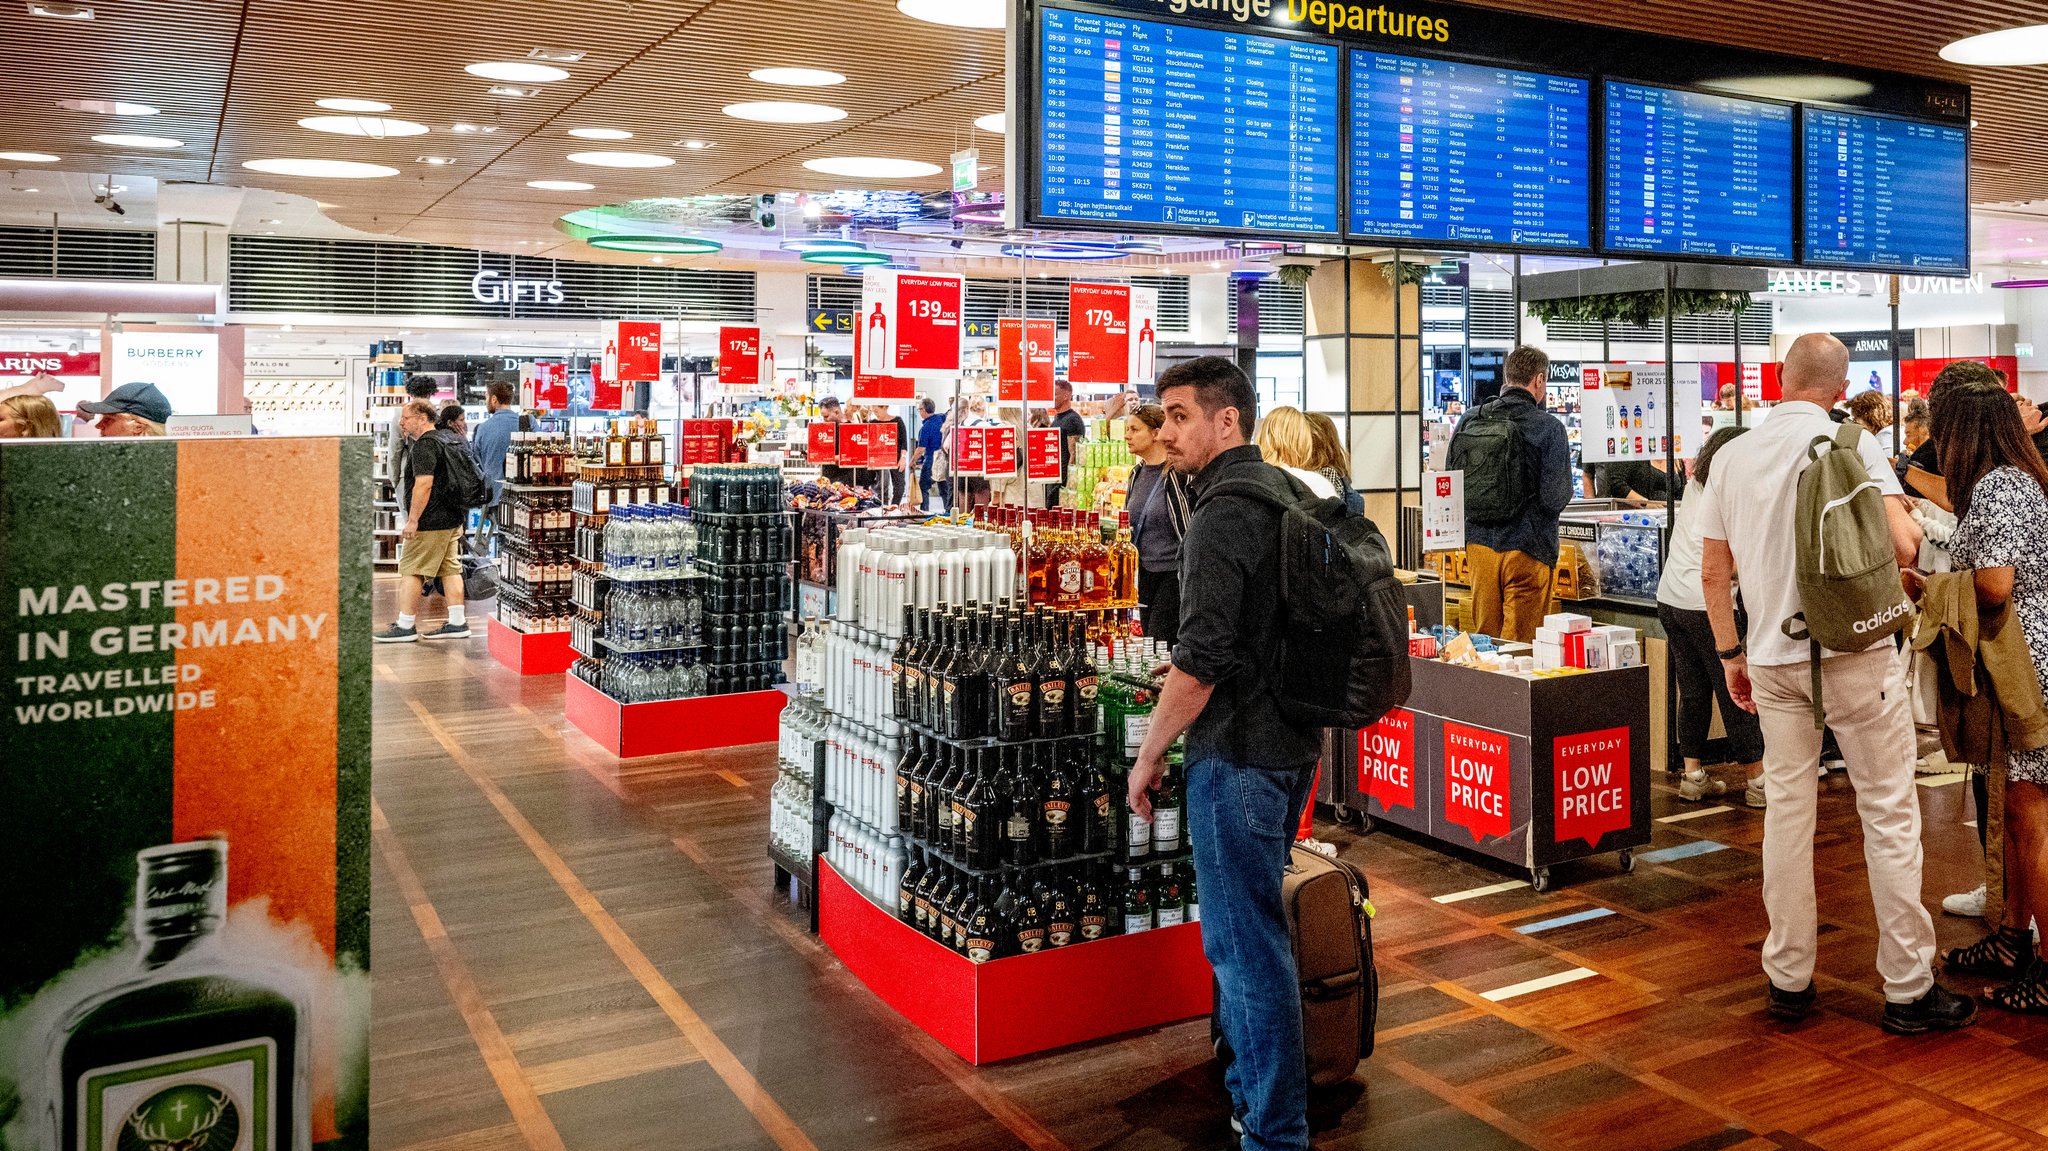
[(61, 11), (557, 55), (375, 127), (119, 140), (560, 185), (273, 221), (30, 157), (621, 159), (517, 72), (436, 161), (785, 112), (351, 104), (956, 13), (109, 107), (1215, 264), (512, 90), (28, 189), (467, 129), (876, 167), (2006, 48), (320, 169), (657, 259), (797, 77), (600, 133), (695, 145), (996, 122)]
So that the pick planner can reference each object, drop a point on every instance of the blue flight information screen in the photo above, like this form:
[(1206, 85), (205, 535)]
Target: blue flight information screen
[(1469, 153), (1693, 174), (1150, 123), (1886, 194)]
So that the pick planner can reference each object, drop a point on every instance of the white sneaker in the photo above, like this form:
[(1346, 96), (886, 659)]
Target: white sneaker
[(1698, 785), (1317, 845), (1933, 763), (1754, 794), (1969, 904)]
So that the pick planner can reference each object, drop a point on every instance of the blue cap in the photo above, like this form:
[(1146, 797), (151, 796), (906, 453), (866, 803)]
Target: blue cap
[(133, 399)]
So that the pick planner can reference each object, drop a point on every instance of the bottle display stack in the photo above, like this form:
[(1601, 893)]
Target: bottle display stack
[(1070, 559), (535, 562), (644, 632), (796, 811), (743, 552)]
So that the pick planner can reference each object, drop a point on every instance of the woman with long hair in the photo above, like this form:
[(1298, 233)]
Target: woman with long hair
[(1999, 484), (1288, 441), (26, 416), (1157, 499), (1873, 411)]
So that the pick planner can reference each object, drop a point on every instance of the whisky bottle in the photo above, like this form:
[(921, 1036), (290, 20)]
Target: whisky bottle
[(1126, 563), (1137, 902), (1037, 557), (1057, 804), (615, 447), (1098, 567), (1169, 904), (201, 1047), (1066, 562), (1166, 812)]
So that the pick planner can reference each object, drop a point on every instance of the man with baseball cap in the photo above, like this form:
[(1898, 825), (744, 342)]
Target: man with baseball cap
[(129, 410)]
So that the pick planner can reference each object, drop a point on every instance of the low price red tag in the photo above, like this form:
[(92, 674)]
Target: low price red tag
[(909, 324), (739, 358), (1476, 780), (887, 450), (874, 387), (605, 395), (1002, 451), (1386, 760), (1024, 355), (824, 442), (856, 442), (1112, 334), (1591, 778), (1042, 455), (970, 454)]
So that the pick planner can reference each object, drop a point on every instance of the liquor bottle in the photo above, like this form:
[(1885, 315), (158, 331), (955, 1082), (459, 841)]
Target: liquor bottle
[(940, 796), (615, 446), (1020, 810), (1067, 563), (948, 906), (1028, 919), (1017, 686), (200, 1046), (984, 925), (1062, 912), (926, 909), (899, 665), (1057, 829), (981, 809), (906, 770), (1050, 675), (1084, 684), (972, 679), (933, 707), (1098, 567), (1125, 560), (1169, 901), (915, 816), (1038, 557), (1094, 905), (1166, 813), (1097, 807), (906, 891), (636, 444), (1137, 902), (1187, 883)]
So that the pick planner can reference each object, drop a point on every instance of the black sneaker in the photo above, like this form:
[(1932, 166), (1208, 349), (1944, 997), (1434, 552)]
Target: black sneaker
[(397, 634), (1790, 1006), (1938, 1010), (449, 631)]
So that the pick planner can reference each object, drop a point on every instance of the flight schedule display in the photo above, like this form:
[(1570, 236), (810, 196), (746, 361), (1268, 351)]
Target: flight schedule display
[(1469, 153), (1694, 174), (1883, 193), (1148, 123)]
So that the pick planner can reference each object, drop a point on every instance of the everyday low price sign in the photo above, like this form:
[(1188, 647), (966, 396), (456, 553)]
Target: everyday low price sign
[(1002, 451), (1042, 455), (632, 350), (1591, 777), (970, 453), (1476, 780), (1386, 759), (1024, 360), (822, 442), (909, 324), (1112, 334), (744, 358)]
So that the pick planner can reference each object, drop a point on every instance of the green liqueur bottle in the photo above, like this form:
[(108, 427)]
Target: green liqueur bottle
[(1169, 903), (1137, 902), (200, 1049)]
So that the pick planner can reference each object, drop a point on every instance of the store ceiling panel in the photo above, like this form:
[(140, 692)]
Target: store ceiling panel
[(233, 79)]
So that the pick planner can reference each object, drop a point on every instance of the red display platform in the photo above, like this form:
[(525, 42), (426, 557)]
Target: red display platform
[(529, 652), (632, 729), (1023, 1004)]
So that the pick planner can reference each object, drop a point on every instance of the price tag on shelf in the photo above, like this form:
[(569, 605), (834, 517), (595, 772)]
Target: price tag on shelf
[(856, 444), (1002, 451), (909, 324), (744, 359), (1042, 455), (823, 442), (887, 448), (1443, 511), (1112, 334), (970, 454), (1025, 357)]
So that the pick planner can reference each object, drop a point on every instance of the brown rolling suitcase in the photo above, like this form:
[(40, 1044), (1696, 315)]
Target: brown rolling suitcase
[(1329, 918)]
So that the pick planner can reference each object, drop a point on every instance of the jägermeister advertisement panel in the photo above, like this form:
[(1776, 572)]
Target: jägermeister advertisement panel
[(184, 794)]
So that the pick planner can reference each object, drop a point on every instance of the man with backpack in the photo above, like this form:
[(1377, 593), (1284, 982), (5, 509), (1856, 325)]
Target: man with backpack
[(1271, 648), (445, 484), (1517, 462), (1810, 516)]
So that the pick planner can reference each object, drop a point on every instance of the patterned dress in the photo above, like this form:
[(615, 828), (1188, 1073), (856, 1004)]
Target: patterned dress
[(2008, 527)]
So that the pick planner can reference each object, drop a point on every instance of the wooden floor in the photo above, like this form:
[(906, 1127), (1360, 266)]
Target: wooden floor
[(575, 952)]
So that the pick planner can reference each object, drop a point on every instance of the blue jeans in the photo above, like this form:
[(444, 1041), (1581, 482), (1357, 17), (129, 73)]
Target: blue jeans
[(1242, 821)]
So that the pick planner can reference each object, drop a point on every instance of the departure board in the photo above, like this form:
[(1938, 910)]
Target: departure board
[(1692, 174), (1886, 194), (1147, 123), (1469, 153)]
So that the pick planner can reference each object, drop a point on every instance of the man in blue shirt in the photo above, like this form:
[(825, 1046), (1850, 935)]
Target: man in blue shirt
[(931, 439), (1513, 562), (493, 438)]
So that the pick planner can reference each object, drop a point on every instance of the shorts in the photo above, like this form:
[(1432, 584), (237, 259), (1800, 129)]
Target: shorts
[(431, 553)]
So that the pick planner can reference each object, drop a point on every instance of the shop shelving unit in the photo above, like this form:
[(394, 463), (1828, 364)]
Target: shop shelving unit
[(535, 531)]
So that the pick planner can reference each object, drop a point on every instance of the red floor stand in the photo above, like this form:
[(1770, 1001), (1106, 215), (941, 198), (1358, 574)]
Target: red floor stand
[(529, 652), (673, 725), (1023, 1004)]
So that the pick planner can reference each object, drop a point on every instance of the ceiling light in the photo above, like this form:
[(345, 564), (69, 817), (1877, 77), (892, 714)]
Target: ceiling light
[(785, 112), (103, 190), (1062, 251), (846, 257), (467, 129), (122, 141), (1215, 265), (320, 169), (375, 127), (621, 159), (600, 133), (109, 107), (797, 77), (60, 11), (273, 221), (814, 210), (956, 13), (875, 167), (435, 161), (517, 72), (657, 259), (822, 244), (2007, 48), (993, 122), (351, 104), (656, 242), (30, 157), (28, 189), (696, 145), (560, 185), (512, 90), (557, 55)]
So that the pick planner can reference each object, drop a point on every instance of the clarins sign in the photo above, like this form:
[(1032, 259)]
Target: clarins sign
[(54, 363), (498, 288)]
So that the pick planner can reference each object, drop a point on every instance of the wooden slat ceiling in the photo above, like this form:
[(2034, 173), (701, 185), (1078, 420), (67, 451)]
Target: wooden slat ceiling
[(234, 77)]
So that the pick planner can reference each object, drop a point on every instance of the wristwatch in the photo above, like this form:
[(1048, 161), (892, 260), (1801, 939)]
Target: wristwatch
[(1731, 653)]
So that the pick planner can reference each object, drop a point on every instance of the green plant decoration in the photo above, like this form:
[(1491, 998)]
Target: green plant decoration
[(1638, 308), (1410, 273), (1297, 275)]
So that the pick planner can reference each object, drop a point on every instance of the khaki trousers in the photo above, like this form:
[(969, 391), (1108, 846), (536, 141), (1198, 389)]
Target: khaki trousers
[(1510, 592), (1868, 710)]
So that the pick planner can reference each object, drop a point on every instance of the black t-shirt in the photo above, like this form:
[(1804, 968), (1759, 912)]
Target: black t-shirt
[(1618, 480), (1923, 457), (429, 458), (1072, 427)]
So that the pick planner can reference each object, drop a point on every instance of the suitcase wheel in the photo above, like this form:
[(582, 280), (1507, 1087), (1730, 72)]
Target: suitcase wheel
[(1539, 879), (1628, 860)]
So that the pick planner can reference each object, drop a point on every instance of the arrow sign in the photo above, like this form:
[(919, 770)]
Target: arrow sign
[(831, 320)]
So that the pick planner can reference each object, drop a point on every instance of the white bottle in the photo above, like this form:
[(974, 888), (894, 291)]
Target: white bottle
[(973, 569), (1002, 571), (896, 565), (852, 546), (926, 576)]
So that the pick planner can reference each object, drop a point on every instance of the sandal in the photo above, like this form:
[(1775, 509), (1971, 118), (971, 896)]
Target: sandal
[(2008, 951), (2027, 995)]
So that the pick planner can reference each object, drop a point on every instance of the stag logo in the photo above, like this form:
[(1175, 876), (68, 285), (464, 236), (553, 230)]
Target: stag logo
[(188, 1117)]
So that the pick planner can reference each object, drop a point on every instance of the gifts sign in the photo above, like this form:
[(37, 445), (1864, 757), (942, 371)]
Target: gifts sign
[(1112, 334)]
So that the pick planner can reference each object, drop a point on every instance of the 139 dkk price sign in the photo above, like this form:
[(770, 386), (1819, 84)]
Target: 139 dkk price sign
[(909, 324)]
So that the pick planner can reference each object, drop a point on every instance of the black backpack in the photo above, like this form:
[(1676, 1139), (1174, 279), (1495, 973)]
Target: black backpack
[(467, 487), (1489, 449), (1343, 658)]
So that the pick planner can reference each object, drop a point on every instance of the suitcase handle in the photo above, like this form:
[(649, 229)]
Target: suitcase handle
[(1333, 987)]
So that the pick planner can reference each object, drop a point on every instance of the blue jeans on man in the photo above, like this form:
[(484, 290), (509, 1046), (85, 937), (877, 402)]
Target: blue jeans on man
[(1242, 822)]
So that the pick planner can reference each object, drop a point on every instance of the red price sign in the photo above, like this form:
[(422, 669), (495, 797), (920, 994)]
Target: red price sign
[(909, 324), (824, 442), (874, 387), (970, 452), (606, 394), (1112, 334), (1024, 355), (1591, 793), (1386, 760), (739, 358), (1476, 780), (639, 349), (1042, 455), (1002, 451), (887, 451), (856, 443), (546, 386)]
